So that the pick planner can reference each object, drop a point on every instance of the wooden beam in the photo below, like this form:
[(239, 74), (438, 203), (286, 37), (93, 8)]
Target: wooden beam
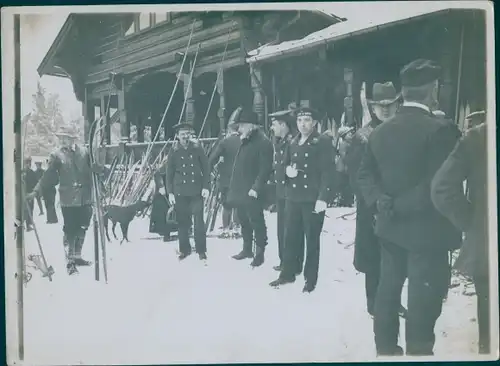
[(124, 123), (222, 101), (258, 94)]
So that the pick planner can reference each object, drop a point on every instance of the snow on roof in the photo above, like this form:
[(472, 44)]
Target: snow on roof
[(361, 17)]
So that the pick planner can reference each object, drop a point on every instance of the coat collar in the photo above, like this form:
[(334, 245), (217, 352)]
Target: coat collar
[(314, 135), (414, 109)]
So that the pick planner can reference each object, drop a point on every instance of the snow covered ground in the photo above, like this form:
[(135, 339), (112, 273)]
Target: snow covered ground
[(156, 309)]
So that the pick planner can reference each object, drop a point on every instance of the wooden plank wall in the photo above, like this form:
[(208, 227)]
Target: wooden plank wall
[(155, 49)]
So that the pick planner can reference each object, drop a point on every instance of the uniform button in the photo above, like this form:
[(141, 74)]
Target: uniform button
[(190, 156), (276, 162), (182, 157), (295, 154), (184, 173), (293, 185), (193, 180), (183, 165), (305, 165), (192, 173), (305, 175), (191, 164), (184, 181), (305, 185), (306, 155), (282, 182)]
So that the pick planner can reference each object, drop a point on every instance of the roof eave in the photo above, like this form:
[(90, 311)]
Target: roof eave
[(45, 67)]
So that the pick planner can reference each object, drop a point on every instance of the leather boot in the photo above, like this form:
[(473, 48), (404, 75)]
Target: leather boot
[(79, 240), (245, 253), (258, 260)]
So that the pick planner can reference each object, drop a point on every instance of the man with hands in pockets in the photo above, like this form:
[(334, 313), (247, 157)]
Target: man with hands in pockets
[(188, 179), (308, 172)]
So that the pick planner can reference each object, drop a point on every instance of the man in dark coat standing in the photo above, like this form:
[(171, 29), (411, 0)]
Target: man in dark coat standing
[(223, 156), (188, 180), (308, 172), (384, 103), (251, 171), (400, 160), (281, 126), (70, 164), (39, 172), (468, 162), (30, 180)]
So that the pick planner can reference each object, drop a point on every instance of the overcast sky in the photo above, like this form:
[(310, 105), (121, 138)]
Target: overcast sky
[(38, 31)]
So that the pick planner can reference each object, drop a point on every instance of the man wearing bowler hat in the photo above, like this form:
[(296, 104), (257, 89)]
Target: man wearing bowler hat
[(188, 180), (282, 127), (70, 165), (308, 169), (384, 104), (251, 172), (401, 158)]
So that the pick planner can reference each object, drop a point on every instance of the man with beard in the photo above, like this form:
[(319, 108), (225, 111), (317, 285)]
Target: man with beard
[(188, 180), (281, 126), (223, 157), (401, 158), (384, 104), (251, 171), (308, 171), (468, 162), (70, 164), (38, 173)]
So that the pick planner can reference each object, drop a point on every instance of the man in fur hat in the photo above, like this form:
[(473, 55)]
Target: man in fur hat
[(282, 128), (251, 171), (384, 104), (308, 169), (401, 158), (188, 181), (70, 165)]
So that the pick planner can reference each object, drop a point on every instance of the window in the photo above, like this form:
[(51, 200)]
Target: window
[(161, 17), (144, 21)]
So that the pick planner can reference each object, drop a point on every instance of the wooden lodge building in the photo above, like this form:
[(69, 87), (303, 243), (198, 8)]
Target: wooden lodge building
[(144, 53), (270, 59)]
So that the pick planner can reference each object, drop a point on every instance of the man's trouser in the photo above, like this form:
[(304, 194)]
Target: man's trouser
[(76, 222), (251, 217), (428, 274), (185, 208), (280, 210)]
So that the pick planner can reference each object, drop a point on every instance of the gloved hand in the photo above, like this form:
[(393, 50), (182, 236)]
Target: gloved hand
[(162, 191), (252, 193), (205, 193), (320, 206), (291, 171), (171, 199)]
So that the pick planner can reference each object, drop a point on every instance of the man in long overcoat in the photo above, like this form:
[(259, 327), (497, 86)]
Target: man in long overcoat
[(400, 160), (251, 171), (384, 104), (468, 162)]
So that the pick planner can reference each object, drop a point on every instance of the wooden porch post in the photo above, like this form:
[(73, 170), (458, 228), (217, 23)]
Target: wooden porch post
[(105, 120), (258, 93), (188, 95), (222, 101), (86, 122), (124, 122), (140, 128), (349, 116)]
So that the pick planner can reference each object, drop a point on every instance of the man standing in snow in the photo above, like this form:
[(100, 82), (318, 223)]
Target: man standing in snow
[(188, 180), (70, 164), (384, 103), (401, 158), (251, 171), (39, 172), (282, 129), (308, 164)]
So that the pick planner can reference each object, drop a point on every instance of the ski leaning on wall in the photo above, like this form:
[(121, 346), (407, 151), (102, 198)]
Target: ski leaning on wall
[(97, 194)]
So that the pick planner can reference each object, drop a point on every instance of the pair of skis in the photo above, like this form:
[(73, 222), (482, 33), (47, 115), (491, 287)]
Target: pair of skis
[(98, 220)]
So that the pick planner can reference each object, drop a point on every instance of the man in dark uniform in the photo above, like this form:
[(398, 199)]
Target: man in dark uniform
[(251, 171), (281, 126), (384, 104), (399, 163), (30, 180), (223, 156), (71, 165), (308, 172), (39, 172), (188, 180)]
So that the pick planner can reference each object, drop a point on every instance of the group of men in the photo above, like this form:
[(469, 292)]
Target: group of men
[(412, 209), (408, 217)]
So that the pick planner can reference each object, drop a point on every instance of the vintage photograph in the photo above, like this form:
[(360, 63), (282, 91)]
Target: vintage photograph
[(250, 183)]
